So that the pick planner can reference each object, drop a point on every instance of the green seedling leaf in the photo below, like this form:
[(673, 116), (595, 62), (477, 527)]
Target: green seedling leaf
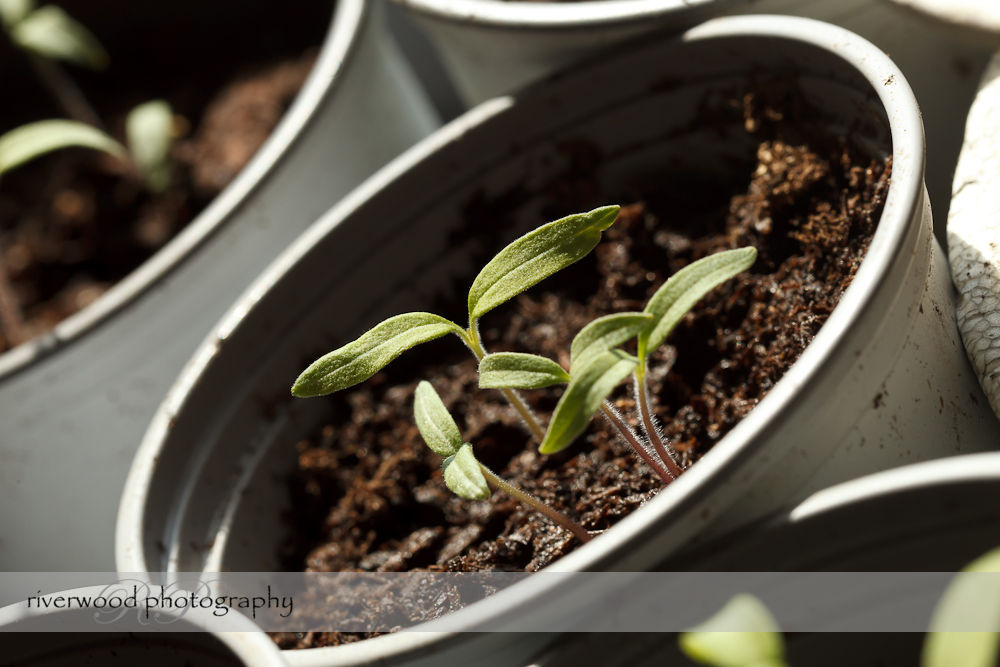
[(679, 294), (463, 475), (14, 11), (149, 129), (972, 601), (741, 634), (434, 422), (606, 333), (35, 139), (52, 33), (515, 370), (536, 256), (583, 397), (359, 360)]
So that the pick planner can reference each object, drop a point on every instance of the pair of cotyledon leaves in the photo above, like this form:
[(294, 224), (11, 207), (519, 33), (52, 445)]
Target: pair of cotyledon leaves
[(462, 472), (50, 33), (596, 366)]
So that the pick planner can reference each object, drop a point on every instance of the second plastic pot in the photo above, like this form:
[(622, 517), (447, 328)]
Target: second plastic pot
[(884, 382)]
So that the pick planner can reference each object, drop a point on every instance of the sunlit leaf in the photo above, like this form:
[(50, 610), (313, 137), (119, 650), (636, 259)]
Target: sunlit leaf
[(536, 256), (583, 397), (683, 290), (463, 475), (359, 360), (606, 333), (13, 11), (434, 422), (149, 129), (515, 370), (52, 33), (741, 634), (971, 603), (35, 139)]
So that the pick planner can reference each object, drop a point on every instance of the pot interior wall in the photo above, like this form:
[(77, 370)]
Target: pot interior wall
[(217, 497), (154, 649)]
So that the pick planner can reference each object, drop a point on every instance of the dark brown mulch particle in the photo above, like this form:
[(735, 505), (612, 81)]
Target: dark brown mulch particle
[(368, 494)]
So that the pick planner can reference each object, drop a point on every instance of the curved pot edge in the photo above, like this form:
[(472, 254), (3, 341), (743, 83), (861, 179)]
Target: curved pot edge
[(339, 44)]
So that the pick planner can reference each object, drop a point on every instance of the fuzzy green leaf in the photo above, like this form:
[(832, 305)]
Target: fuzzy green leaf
[(741, 634), (434, 422), (972, 601), (13, 11), (606, 333), (30, 141), (583, 397), (463, 475), (149, 128), (683, 290), (515, 370), (536, 256), (359, 360), (52, 33)]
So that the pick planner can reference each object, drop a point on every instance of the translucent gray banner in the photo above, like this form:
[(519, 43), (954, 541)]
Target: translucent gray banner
[(485, 601)]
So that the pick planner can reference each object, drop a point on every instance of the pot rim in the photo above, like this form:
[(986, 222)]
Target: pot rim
[(338, 47), (503, 14), (249, 643), (904, 196)]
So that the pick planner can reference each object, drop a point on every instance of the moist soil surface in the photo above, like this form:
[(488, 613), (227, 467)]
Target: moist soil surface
[(74, 222), (368, 494)]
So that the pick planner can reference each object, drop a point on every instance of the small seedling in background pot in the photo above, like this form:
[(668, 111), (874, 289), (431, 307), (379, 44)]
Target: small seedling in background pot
[(596, 365), (149, 128), (47, 35)]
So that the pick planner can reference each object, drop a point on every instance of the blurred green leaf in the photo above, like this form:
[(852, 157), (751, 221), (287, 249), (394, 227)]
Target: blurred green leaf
[(606, 333), (149, 129), (971, 601), (52, 33), (684, 289), (35, 139), (536, 256), (13, 11), (588, 387), (741, 634), (463, 475), (434, 422), (515, 370), (359, 360)]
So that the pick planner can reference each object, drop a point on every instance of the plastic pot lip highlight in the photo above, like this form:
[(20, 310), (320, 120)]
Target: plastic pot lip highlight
[(247, 643), (505, 15), (904, 197), (339, 44)]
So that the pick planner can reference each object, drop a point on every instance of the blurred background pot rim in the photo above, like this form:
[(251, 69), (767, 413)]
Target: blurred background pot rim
[(505, 14), (340, 43)]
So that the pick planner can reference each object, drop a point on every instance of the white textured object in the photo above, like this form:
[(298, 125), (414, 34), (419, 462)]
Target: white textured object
[(974, 234), (972, 16)]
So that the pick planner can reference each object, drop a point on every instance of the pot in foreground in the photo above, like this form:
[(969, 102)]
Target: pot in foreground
[(884, 382)]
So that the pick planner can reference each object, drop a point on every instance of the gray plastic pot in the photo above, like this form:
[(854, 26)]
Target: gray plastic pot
[(491, 47), (38, 637), (929, 517), (885, 382), (74, 403)]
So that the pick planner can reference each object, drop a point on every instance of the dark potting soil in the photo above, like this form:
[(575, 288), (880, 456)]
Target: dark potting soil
[(368, 494), (74, 222)]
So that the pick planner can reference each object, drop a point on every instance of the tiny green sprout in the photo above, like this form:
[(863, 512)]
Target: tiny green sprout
[(971, 601), (463, 474), (742, 634), (49, 32), (149, 129)]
